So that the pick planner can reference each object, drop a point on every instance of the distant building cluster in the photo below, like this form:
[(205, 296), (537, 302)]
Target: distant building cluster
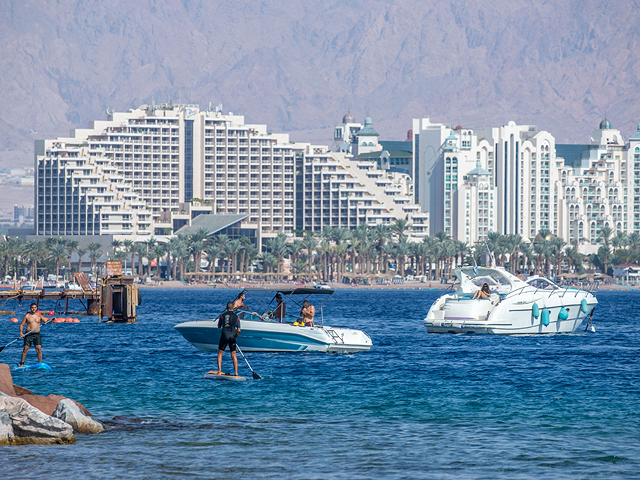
[(515, 179), (134, 174), (16, 176), (151, 171), (23, 213)]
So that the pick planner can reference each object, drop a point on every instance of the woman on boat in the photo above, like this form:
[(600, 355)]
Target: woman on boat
[(484, 292)]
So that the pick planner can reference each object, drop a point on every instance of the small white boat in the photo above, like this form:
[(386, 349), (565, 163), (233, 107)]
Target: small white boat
[(263, 334), (515, 306)]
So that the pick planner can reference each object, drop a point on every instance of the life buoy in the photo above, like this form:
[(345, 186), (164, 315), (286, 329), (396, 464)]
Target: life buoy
[(545, 317), (563, 314), (535, 310)]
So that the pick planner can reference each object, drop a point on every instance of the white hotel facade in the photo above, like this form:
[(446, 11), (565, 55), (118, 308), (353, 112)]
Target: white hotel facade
[(515, 179), (130, 175)]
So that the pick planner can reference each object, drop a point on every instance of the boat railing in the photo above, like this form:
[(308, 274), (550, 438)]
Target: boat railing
[(587, 287)]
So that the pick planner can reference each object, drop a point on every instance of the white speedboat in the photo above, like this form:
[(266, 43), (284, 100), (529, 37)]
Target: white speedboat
[(261, 333), (515, 306)]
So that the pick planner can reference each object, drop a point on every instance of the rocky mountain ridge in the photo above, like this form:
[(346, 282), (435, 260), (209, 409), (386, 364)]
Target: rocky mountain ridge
[(299, 66)]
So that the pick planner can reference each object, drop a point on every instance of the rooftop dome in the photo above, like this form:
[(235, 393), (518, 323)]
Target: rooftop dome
[(636, 136), (348, 118), (459, 127), (368, 122), (605, 124)]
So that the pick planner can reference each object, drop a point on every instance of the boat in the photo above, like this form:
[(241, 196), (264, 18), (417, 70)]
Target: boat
[(533, 306), (261, 333)]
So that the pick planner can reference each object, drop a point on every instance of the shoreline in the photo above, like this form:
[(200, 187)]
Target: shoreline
[(178, 285)]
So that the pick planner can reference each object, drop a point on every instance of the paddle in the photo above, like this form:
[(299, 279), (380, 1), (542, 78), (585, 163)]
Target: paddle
[(19, 338), (255, 375), (590, 317)]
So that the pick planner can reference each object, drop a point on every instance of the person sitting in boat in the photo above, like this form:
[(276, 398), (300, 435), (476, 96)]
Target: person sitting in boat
[(238, 304), (484, 292), (281, 309), (519, 276), (306, 315)]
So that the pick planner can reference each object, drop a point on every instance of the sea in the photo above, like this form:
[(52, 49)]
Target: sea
[(417, 405)]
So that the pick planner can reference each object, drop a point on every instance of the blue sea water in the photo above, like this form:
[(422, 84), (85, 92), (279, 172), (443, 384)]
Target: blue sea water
[(417, 405)]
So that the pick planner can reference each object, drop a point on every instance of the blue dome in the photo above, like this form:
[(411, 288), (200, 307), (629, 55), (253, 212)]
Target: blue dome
[(605, 124), (368, 122)]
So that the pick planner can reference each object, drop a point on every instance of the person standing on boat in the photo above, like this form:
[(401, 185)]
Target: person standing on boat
[(230, 325), (238, 304), (307, 313), (484, 292), (281, 309), (32, 319)]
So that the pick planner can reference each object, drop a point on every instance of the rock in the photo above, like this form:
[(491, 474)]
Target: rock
[(6, 381), (30, 425), (7, 437), (69, 412)]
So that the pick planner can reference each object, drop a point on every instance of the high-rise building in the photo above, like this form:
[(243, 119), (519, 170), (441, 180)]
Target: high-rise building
[(133, 173), (514, 179)]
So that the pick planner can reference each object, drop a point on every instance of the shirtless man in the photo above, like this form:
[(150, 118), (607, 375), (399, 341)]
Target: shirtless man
[(281, 309), (238, 304), (307, 313), (32, 319)]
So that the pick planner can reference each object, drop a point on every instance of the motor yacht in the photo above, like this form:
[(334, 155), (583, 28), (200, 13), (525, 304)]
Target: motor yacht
[(515, 306), (260, 332)]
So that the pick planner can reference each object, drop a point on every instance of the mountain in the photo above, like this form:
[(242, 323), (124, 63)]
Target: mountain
[(299, 65)]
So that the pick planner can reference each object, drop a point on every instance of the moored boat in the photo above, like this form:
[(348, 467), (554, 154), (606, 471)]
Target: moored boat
[(534, 306), (261, 333)]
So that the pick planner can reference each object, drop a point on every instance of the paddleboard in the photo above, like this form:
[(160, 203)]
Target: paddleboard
[(218, 376), (37, 366)]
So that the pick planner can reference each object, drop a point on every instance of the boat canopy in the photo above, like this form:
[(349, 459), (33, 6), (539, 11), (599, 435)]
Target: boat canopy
[(293, 291), (472, 278)]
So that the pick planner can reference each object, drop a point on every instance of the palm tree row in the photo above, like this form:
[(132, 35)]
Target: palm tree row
[(330, 255)]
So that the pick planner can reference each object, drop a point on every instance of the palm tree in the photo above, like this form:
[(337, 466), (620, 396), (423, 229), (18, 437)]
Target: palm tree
[(139, 250), (72, 246), (234, 248), (309, 242), (95, 252), (81, 252), (158, 252), (212, 251), (197, 247), (605, 233), (33, 251), (127, 245), (400, 227), (250, 254), (57, 252), (278, 247)]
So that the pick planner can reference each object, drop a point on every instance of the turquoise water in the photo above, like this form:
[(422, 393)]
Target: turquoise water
[(416, 406)]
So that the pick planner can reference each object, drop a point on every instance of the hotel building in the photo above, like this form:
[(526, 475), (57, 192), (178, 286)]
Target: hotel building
[(515, 179), (132, 174)]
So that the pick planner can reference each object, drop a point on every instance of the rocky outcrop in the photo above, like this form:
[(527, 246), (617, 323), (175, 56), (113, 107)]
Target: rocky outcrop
[(30, 425), (7, 436), (29, 418), (69, 412)]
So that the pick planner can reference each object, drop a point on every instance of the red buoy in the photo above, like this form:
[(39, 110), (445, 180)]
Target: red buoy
[(14, 320)]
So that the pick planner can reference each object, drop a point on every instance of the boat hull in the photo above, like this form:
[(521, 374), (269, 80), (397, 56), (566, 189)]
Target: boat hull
[(508, 317), (257, 336)]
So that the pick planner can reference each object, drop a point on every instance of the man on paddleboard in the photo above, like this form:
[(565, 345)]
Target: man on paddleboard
[(230, 324), (32, 319)]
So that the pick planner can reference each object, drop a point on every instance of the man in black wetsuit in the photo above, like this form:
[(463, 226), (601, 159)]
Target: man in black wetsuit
[(230, 324)]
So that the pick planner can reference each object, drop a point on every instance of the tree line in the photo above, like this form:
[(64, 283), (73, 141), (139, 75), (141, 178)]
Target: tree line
[(328, 255)]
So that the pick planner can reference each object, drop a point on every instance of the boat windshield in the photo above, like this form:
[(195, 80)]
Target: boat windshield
[(542, 283)]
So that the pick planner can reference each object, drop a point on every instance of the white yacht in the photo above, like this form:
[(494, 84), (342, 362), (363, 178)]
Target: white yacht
[(536, 305), (262, 333)]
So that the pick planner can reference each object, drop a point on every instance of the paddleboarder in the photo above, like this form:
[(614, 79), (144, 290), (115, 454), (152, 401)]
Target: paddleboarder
[(32, 320), (230, 324)]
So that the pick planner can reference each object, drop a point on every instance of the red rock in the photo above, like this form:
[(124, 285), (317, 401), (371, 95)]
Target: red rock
[(44, 404)]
